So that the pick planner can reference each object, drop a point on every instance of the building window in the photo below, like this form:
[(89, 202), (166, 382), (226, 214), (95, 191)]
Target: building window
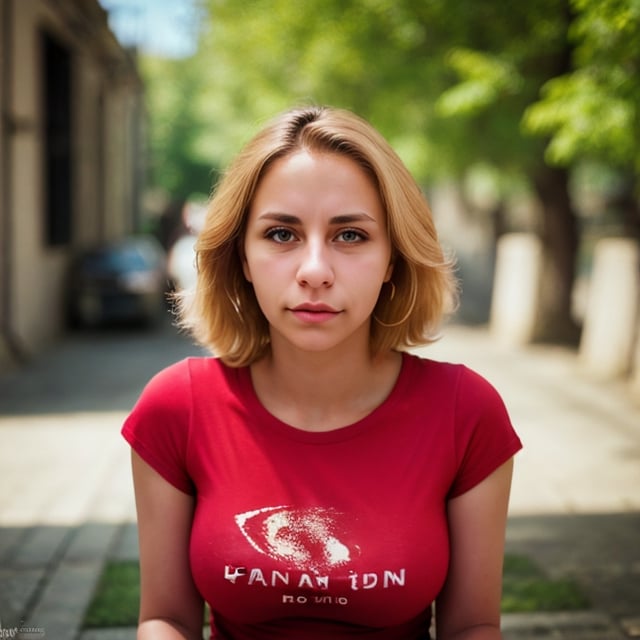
[(56, 65)]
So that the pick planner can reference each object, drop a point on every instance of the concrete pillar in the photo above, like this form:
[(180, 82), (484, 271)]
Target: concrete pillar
[(516, 288), (611, 318), (634, 384)]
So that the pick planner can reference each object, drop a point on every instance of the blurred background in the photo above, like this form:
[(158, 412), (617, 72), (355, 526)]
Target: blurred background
[(521, 125)]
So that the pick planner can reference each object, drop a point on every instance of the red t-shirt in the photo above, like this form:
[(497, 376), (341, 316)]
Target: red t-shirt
[(316, 535)]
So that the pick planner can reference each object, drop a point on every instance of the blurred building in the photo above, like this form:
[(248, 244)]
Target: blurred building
[(70, 156)]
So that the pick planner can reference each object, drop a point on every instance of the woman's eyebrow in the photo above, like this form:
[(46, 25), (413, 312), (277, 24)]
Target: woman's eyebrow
[(345, 218), (283, 218), (350, 218)]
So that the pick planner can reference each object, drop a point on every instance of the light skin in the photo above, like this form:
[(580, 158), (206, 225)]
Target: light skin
[(317, 253)]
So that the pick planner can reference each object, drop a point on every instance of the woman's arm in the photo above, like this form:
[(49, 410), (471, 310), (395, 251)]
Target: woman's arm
[(468, 608), (170, 606)]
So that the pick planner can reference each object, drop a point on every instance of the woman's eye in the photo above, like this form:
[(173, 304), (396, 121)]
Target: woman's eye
[(280, 235), (350, 236)]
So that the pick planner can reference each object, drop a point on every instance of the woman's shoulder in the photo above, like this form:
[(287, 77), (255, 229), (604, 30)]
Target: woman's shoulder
[(443, 376), (173, 394), (193, 366), (420, 366), (187, 376)]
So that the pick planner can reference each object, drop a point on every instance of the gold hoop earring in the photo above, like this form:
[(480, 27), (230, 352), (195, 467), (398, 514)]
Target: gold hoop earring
[(392, 295), (397, 323)]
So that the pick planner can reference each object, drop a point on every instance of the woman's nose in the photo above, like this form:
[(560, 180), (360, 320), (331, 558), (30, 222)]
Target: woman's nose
[(315, 268)]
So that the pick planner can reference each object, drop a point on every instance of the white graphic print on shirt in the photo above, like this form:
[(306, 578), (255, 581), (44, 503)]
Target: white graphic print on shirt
[(310, 543), (305, 539)]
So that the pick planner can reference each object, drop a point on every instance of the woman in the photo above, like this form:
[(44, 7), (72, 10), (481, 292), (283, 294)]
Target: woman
[(314, 479)]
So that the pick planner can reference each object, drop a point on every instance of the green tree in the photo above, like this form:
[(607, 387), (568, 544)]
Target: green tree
[(270, 54), (177, 165), (449, 85), (508, 56), (593, 112)]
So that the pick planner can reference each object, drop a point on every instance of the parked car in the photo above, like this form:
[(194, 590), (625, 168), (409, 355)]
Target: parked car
[(123, 281)]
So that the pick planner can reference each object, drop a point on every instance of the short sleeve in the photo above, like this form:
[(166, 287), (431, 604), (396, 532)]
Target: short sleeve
[(158, 426), (484, 435)]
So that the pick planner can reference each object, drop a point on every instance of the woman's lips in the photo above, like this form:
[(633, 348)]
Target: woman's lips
[(314, 313)]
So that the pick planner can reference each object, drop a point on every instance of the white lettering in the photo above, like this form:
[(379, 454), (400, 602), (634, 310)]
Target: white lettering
[(356, 581), (277, 576), (305, 581), (392, 578), (316, 599), (233, 573), (323, 582), (369, 580), (257, 576)]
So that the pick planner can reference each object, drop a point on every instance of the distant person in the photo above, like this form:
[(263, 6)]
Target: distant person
[(315, 480), (181, 263), (181, 254)]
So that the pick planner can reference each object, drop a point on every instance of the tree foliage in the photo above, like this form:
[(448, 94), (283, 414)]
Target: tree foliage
[(448, 83), (529, 89), (593, 111), (177, 164), (269, 55)]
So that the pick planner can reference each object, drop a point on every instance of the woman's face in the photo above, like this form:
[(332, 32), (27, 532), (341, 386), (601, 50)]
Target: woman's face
[(316, 250)]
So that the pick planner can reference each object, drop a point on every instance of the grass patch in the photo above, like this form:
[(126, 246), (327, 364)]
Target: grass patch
[(117, 597), (525, 589)]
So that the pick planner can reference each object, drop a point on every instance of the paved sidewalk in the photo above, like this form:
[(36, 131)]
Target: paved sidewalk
[(66, 503)]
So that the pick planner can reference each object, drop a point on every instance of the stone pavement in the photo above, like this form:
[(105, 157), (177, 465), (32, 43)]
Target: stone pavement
[(66, 504)]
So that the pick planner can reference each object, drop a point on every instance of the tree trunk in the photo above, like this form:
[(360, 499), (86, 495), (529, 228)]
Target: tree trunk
[(626, 205), (560, 236)]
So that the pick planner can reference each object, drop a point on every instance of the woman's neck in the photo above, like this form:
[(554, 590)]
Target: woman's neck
[(322, 391)]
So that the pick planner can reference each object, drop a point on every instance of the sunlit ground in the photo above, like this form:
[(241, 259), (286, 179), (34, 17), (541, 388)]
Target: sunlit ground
[(581, 447)]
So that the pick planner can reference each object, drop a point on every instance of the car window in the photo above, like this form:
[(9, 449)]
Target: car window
[(117, 259)]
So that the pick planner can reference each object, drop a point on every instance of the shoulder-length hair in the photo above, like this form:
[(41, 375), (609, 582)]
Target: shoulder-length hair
[(222, 313)]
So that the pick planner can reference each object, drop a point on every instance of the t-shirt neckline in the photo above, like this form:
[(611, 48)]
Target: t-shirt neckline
[(376, 416)]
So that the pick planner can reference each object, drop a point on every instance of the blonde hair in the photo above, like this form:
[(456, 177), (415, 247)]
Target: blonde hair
[(222, 313)]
